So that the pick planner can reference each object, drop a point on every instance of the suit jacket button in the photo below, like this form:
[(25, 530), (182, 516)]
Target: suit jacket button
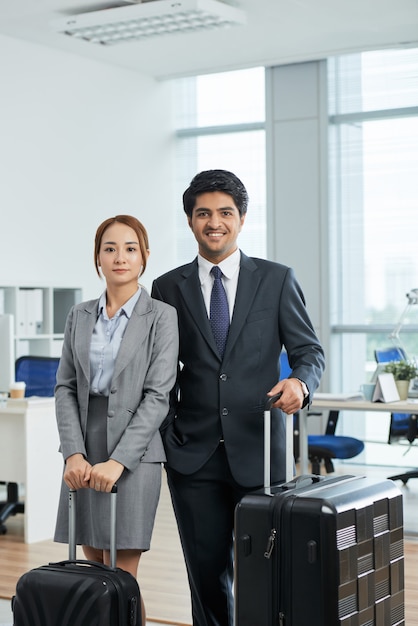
[(113, 390), (110, 414), (223, 377), (224, 411)]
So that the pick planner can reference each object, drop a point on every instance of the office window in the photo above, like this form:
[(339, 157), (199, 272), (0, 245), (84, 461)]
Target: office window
[(220, 122), (373, 105), (374, 190)]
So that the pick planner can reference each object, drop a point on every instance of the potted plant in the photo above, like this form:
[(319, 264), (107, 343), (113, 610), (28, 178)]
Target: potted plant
[(403, 372)]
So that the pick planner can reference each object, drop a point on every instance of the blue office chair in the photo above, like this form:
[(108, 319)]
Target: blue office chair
[(402, 425), (39, 374), (323, 448)]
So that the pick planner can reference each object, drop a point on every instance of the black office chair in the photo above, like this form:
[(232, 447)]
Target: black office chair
[(402, 425), (10, 506), (323, 448), (39, 374)]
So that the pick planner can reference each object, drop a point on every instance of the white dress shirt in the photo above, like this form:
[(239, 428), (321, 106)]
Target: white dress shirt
[(230, 270)]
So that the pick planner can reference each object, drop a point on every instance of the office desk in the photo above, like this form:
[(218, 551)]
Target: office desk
[(29, 454), (334, 404)]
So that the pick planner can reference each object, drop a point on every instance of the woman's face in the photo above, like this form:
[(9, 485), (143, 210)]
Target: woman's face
[(120, 258)]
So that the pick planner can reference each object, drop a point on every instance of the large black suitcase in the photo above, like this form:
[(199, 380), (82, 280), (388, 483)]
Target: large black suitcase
[(319, 551), (78, 592)]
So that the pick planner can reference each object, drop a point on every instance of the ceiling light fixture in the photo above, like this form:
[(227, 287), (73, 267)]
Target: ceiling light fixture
[(148, 19)]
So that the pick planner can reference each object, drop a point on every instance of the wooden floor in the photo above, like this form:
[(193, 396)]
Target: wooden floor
[(162, 574)]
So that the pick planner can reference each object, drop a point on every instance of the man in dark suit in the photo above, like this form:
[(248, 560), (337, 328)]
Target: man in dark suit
[(213, 435)]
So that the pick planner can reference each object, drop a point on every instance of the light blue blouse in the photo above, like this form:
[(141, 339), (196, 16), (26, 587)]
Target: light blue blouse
[(105, 343)]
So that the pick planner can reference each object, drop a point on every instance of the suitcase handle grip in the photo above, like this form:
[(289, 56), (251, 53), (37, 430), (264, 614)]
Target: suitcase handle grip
[(301, 481), (271, 400), (81, 562)]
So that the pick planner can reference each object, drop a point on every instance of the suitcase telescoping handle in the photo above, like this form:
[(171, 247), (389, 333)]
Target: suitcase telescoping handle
[(72, 509), (267, 444)]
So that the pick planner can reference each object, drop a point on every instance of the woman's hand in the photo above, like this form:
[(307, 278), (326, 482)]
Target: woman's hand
[(77, 472), (105, 475)]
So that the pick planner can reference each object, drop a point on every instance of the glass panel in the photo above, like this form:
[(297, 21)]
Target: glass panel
[(223, 100), (373, 81), (242, 153), (220, 99), (373, 227), (374, 219)]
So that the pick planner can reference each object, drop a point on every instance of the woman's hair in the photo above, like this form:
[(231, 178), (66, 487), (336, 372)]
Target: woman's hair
[(133, 223)]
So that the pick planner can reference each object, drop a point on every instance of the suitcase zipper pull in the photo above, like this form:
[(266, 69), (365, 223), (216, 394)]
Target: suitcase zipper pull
[(270, 543)]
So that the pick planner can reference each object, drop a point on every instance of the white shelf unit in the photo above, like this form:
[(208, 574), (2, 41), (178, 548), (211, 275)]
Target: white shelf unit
[(39, 315)]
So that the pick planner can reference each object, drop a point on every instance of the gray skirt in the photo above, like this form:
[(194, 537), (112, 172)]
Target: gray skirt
[(137, 500)]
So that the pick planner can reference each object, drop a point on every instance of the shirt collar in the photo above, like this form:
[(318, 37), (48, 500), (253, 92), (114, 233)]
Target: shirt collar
[(126, 309), (228, 266)]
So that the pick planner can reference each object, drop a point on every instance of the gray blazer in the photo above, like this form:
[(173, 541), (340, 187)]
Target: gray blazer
[(145, 372)]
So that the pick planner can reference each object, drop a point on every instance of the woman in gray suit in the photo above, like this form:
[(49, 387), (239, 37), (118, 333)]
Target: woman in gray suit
[(118, 365)]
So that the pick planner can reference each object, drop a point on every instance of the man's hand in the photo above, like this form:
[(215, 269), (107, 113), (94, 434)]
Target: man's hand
[(77, 472), (292, 396)]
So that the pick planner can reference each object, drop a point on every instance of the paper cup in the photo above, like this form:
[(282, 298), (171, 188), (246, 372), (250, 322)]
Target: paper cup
[(17, 390), (367, 390)]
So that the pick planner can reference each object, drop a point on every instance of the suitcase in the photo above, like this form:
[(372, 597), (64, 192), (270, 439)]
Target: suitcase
[(319, 551), (78, 592)]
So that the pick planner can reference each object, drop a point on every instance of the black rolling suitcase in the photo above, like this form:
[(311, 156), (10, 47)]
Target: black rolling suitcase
[(78, 592), (319, 551)]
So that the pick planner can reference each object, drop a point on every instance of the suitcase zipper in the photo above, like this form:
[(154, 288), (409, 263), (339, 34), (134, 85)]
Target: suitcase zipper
[(270, 543)]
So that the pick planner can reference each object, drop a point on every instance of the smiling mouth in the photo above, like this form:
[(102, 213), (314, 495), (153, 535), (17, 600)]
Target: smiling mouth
[(215, 235)]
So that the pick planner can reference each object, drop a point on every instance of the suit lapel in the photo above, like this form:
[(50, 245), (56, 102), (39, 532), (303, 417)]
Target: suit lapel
[(136, 331), (85, 323), (193, 301), (248, 282)]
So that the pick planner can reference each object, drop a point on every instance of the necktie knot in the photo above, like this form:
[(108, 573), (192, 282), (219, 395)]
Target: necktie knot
[(216, 272), (219, 310)]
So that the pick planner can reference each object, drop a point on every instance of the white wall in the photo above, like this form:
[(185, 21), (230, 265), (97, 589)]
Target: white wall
[(80, 141)]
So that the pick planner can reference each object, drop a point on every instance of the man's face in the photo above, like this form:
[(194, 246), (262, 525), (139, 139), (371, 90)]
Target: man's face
[(216, 224)]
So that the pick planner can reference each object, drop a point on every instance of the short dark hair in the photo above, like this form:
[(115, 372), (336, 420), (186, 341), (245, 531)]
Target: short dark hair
[(216, 180), (133, 223)]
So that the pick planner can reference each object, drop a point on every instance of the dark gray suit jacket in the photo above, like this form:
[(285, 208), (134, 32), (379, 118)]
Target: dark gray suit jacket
[(225, 398)]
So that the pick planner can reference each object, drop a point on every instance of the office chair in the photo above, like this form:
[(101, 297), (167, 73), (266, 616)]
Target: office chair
[(10, 506), (402, 425), (323, 448), (39, 374)]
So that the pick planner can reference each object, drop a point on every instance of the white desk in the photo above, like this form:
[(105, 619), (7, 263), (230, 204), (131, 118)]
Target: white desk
[(29, 454), (330, 404)]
